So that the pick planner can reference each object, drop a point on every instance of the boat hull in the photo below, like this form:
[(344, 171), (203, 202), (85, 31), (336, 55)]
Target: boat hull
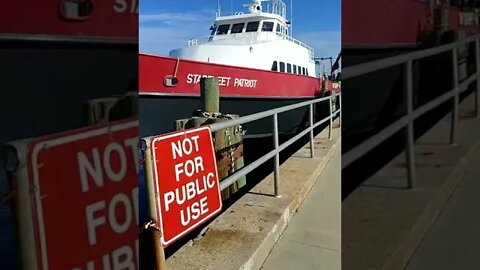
[(371, 95), (44, 79), (158, 114), (243, 91), (376, 29), (382, 96), (233, 81)]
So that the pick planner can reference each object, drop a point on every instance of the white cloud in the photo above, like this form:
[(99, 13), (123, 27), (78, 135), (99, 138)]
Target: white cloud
[(162, 32), (176, 17), (325, 44)]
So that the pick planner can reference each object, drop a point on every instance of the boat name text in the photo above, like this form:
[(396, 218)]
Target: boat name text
[(224, 81), (124, 6)]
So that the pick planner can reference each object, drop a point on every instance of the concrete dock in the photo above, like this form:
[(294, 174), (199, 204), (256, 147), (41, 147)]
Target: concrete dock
[(312, 240), (384, 224), (243, 236), (453, 241)]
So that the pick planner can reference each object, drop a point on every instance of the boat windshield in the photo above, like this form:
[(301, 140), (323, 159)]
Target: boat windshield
[(252, 26), (223, 29), (267, 26), (237, 28)]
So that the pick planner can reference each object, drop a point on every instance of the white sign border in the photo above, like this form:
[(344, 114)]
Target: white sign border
[(159, 206)]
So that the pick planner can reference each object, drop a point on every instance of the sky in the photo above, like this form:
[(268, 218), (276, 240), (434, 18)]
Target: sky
[(166, 26)]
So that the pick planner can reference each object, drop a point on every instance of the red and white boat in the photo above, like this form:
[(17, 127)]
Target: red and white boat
[(57, 56), (375, 29), (259, 65), (61, 54)]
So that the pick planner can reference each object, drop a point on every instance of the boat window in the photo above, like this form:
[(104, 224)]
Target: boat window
[(223, 29), (289, 68), (306, 72), (237, 28), (294, 69), (300, 70), (282, 67), (303, 71), (279, 28), (267, 26), (252, 26), (274, 66)]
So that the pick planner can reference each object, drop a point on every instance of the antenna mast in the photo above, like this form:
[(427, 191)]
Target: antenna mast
[(291, 17)]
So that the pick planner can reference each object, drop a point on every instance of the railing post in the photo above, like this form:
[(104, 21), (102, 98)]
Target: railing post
[(453, 131), (477, 92), (312, 153), (276, 162), (410, 139), (340, 112), (331, 118)]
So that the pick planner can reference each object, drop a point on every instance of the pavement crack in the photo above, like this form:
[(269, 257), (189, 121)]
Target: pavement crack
[(313, 245)]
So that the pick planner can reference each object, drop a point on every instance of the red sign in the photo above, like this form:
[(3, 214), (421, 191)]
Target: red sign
[(186, 181), (87, 18), (86, 198)]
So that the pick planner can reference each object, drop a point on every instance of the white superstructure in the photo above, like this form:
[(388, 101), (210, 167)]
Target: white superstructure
[(258, 39)]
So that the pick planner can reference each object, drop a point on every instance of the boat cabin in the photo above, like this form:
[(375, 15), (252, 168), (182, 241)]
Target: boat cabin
[(259, 39)]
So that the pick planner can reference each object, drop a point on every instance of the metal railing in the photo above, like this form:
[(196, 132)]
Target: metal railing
[(199, 40), (298, 42), (411, 114), (276, 7), (260, 36), (275, 153)]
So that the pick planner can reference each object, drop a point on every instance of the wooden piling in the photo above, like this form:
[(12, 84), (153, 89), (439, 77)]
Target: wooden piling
[(228, 142), (210, 95), (229, 147)]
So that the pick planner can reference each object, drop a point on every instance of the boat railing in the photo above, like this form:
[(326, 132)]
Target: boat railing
[(407, 121), (334, 112), (298, 42), (281, 36), (199, 40), (271, 7), (231, 13)]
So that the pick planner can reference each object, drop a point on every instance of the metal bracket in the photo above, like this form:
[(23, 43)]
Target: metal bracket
[(150, 225)]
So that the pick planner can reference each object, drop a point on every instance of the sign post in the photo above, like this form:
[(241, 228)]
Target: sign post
[(157, 234), (184, 190)]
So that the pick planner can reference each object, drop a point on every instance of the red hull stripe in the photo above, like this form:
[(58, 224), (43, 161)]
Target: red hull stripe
[(234, 81), (391, 22), (142, 93), (48, 20)]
